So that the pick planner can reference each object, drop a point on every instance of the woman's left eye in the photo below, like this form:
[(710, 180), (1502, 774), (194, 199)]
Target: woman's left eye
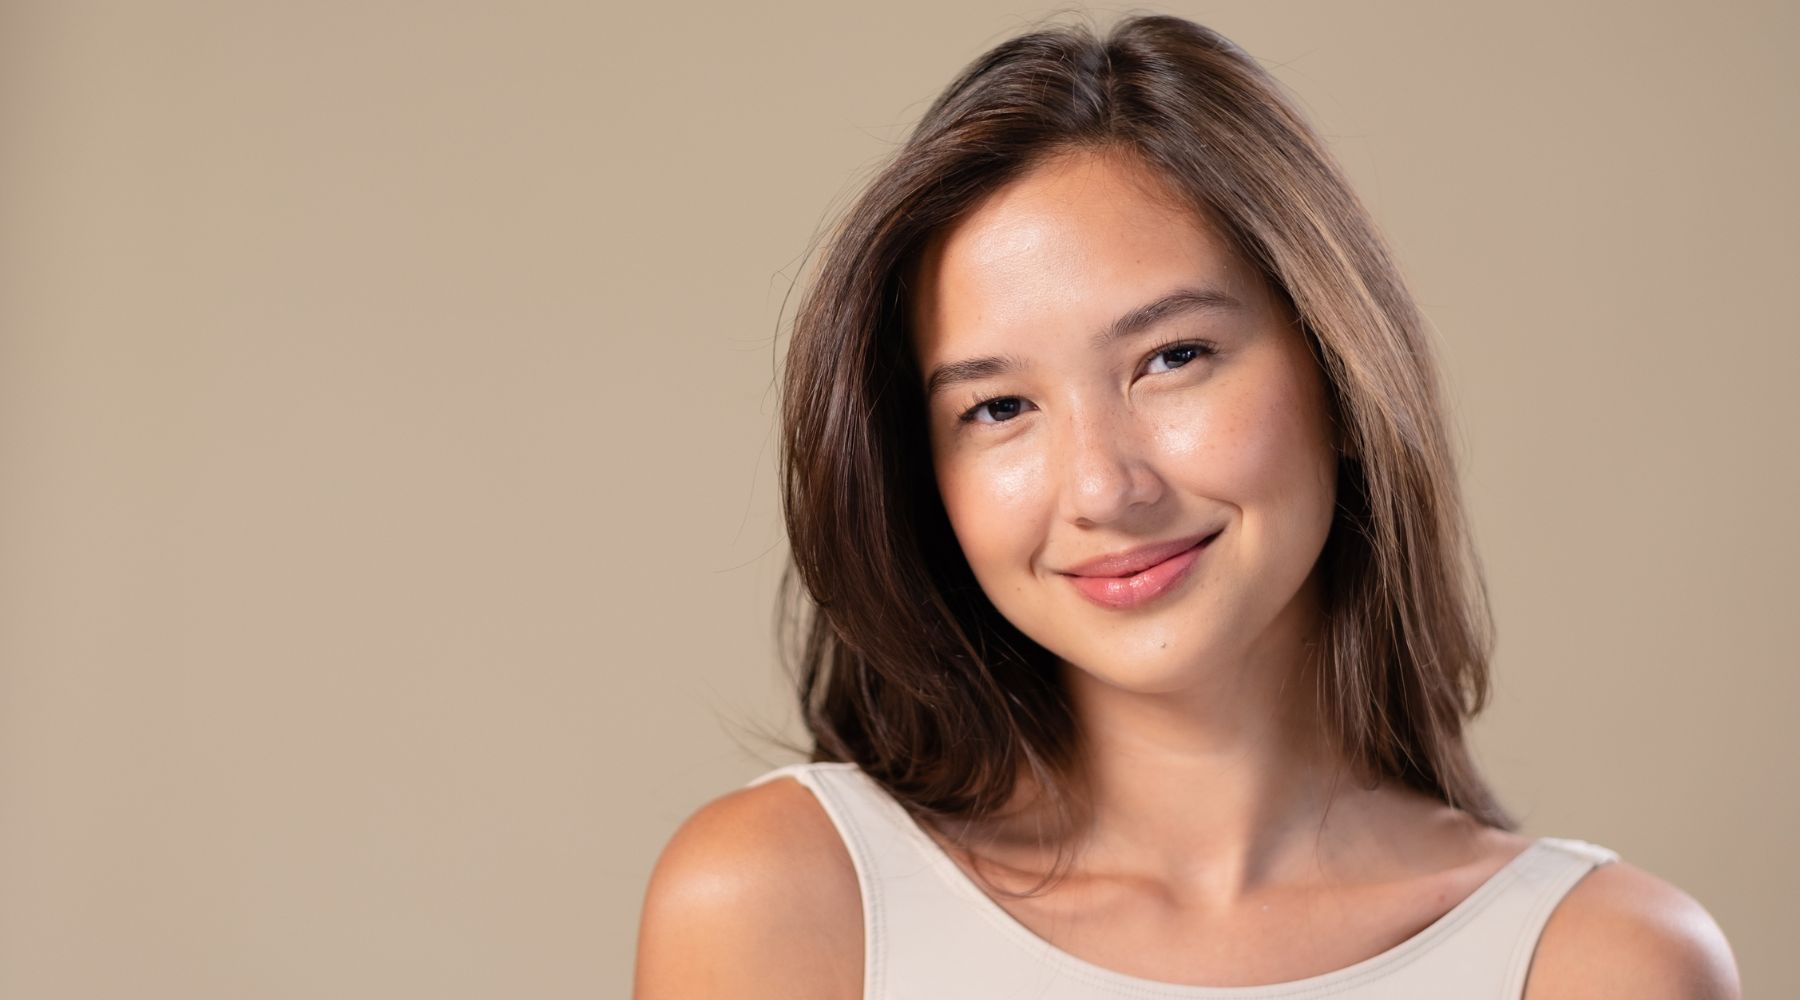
[(1185, 352)]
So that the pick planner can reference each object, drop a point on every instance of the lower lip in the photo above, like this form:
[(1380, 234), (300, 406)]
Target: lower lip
[(1146, 585)]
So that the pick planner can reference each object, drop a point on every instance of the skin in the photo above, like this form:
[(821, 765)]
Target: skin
[(1246, 877)]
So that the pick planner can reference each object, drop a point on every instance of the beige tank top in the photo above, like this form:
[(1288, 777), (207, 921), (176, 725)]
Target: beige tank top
[(930, 933)]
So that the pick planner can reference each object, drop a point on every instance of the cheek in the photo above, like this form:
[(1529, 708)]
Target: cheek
[(995, 502), (1256, 437)]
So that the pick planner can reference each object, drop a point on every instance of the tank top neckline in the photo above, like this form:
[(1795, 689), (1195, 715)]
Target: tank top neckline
[(1068, 962)]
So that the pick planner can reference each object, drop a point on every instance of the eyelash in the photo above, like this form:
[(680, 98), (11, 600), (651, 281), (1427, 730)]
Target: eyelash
[(1203, 348)]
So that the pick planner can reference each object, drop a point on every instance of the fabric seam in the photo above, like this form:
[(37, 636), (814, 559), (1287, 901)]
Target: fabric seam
[(1525, 947)]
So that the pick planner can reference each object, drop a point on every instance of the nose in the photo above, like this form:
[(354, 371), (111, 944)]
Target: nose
[(1106, 475)]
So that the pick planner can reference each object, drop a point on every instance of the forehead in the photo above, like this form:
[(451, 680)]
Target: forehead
[(1080, 237)]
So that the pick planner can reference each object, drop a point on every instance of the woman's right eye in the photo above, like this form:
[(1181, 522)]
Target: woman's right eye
[(1010, 406)]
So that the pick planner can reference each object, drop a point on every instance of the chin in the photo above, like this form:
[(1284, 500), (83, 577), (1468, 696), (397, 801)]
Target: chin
[(1158, 670)]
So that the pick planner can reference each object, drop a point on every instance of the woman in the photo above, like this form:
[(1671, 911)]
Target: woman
[(1144, 624)]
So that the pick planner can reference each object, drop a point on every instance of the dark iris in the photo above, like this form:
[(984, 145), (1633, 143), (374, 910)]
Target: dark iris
[(1189, 350), (1008, 405)]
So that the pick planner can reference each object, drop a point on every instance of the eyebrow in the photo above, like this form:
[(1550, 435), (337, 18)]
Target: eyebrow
[(1182, 300)]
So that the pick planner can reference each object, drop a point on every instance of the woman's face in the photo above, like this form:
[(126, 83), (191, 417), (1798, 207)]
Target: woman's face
[(1105, 375)]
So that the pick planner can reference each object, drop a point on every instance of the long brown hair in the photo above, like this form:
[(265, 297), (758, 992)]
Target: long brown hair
[(901, 663)]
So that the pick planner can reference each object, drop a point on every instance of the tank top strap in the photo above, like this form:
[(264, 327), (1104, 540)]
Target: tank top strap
[(925, 930), (1487, 941), (1543, 886)]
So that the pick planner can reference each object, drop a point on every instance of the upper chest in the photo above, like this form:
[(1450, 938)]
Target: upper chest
[(1145, 930)]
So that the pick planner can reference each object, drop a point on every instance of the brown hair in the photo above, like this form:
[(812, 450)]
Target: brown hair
[(902, 665)]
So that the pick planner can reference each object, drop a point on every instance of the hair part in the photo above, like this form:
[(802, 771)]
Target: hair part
[(901, 663)]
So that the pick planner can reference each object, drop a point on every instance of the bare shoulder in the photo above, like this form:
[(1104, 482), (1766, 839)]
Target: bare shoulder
[(1623, 932), (753, 897)]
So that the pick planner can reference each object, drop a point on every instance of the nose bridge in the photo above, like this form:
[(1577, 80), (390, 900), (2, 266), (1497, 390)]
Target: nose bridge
[(1104, 472)]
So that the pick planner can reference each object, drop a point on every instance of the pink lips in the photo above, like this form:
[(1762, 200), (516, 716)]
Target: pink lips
[(1146, 583)]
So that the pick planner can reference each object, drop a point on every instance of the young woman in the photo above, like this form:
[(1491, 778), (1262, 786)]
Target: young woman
[(1143, 624)]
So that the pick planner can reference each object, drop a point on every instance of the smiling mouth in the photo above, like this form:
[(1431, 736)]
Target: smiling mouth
[(1136, 560), (1144, 585)]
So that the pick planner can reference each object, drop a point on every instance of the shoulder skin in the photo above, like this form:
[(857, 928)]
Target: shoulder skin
[(753, 898), (1622, 932)]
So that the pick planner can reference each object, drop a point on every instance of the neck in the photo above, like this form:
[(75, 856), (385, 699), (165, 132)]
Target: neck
[(1223, 787)]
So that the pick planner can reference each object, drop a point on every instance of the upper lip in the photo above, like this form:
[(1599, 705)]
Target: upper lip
[(1132, 561)]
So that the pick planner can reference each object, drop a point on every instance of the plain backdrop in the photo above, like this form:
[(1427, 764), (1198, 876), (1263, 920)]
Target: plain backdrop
[(388, 530)]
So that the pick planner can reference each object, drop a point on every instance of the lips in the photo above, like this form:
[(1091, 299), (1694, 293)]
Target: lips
[(1133, 561), (1148, 582)]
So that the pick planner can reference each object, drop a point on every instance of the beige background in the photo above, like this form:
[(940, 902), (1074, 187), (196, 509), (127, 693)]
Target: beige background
[(387, 529)]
